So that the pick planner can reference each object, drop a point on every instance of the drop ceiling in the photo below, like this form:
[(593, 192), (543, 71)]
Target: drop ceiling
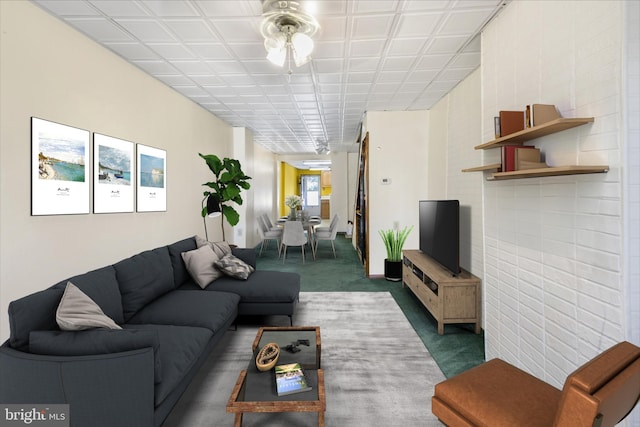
[(370, 55)]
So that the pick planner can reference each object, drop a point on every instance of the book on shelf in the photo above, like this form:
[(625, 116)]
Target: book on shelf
[(290, 379), (538, 114), (509, 156), (511, 122), (527, 158)]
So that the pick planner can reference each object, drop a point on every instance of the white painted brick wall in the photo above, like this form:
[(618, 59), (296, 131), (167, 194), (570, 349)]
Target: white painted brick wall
[(553, 247), (463, 133), (632, 178)]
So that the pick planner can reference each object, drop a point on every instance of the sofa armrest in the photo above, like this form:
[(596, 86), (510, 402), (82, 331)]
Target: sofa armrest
[(102, 390), (96, 341), (247, 255)]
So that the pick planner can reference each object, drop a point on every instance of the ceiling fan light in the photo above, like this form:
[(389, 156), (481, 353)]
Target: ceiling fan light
[(302, 44), (277, 56), (277, 41), (300, 61)]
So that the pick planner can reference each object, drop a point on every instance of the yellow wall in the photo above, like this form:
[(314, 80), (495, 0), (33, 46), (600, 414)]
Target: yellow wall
[(289, 184)]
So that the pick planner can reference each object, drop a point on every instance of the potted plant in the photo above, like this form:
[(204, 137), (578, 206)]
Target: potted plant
[(393, 242), (229, 182), (293, 202)]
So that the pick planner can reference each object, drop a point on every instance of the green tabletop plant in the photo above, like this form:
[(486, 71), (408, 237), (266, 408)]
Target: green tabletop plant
[(394, 241), (229, 182)]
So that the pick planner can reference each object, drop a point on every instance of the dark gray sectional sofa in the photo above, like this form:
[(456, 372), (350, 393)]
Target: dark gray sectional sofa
[(133, 376)]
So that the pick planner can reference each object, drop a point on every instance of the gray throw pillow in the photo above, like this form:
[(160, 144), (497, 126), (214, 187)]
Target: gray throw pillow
[(234, 267), (200, 265), (77, 312), (220, 248)]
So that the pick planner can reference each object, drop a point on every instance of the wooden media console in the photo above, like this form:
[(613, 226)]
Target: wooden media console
[(449, 298)]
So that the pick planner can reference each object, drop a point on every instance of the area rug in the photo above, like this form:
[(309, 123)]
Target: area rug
[(377, 370)]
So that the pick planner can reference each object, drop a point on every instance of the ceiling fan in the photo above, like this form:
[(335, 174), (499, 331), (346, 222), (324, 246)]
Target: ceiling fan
[(287, 30)]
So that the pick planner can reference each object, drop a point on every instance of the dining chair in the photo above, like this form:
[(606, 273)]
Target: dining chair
[(334, 220), (268, 222), (267, 234), (293, 235), (329, 234)]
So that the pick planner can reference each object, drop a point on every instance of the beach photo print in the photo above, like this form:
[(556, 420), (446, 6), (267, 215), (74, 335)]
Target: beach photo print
[(152, 179), (113, 175), (59, 169)]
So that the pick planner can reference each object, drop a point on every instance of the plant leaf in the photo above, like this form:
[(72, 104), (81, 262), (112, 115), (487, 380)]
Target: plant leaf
[(233, 217)]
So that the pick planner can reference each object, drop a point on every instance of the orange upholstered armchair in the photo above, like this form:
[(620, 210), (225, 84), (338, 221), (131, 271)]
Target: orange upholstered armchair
[(600, 393)]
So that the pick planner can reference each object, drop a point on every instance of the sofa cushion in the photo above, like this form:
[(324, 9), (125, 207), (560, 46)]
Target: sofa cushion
[(248, 255), (234, 267), (211, 310), (180, 273), (200, 265), (31, 313), (77, 312), (143, 278), (96, 341), (262, 286), (102, 287), (180, 348), (220, 248)]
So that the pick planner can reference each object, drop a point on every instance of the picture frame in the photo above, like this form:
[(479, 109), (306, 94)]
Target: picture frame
[(151, 172), (59, 169), (113, 174)]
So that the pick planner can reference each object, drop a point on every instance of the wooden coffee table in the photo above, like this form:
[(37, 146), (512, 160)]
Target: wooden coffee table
[(255, 391)]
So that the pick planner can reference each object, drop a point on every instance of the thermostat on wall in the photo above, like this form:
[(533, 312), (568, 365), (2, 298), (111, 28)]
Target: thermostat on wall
[(385, 181)]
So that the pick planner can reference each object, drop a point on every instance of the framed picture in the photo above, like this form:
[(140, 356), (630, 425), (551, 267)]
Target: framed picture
[(113, 174), (59, 169), (152, 179)]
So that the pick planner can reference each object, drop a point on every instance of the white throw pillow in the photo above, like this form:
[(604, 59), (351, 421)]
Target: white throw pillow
[(220, 248), (77, 311), (200, 265)]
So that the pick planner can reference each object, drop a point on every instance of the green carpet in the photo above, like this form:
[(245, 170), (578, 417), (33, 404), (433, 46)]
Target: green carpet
[(456, 351)]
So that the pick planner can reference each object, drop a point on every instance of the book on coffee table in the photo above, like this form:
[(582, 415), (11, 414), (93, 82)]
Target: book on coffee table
[(290, 379)]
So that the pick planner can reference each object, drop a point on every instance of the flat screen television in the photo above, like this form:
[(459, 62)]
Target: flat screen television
[(440, 232)]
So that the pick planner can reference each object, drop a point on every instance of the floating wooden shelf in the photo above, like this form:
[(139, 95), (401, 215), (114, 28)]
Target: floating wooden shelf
[(552, 171), (493, 166), (528, 134)]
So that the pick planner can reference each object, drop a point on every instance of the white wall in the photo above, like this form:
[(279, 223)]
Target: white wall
[(455, 120), (399, 149), (632, 169), (340, 189), (352, 185), (554, 293), (631, 89), (264, 186), (49, 70)]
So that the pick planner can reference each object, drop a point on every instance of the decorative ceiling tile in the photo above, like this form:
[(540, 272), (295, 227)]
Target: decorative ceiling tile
[(191, 30), (101, 29), (369, 55), (169, 8), (146, 30)]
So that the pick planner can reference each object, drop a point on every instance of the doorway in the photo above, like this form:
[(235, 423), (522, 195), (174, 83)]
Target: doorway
[(310, 192)]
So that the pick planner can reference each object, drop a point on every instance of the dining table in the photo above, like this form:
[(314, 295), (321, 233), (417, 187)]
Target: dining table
[(308, 223)]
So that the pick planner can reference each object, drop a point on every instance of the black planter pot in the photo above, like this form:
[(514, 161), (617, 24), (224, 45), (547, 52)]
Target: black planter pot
[(393, 270)]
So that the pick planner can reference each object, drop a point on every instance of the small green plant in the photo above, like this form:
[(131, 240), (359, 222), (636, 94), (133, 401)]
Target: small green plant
[(394, 241), (230, 181)]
